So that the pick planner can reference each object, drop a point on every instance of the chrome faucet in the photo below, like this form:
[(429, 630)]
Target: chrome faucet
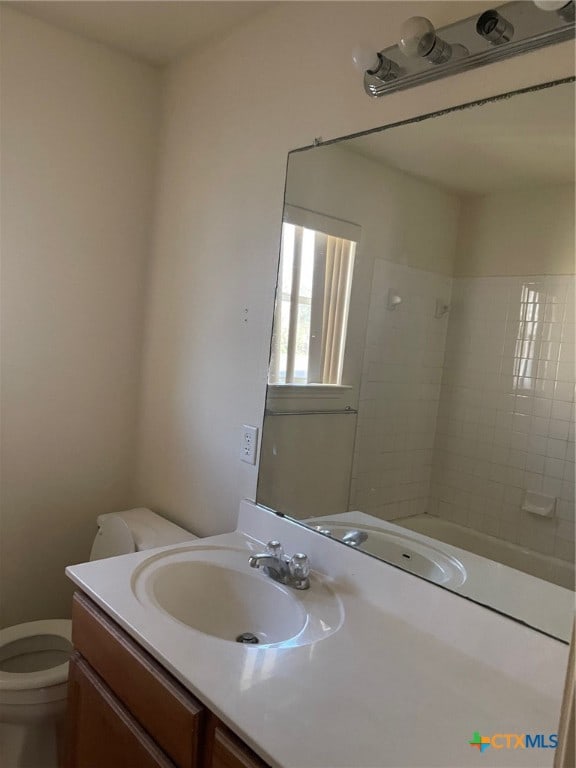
[(292, 571), (354, 538)]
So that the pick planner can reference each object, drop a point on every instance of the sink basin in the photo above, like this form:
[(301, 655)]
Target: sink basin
[(214, 591), (404, 551), (220, 602)]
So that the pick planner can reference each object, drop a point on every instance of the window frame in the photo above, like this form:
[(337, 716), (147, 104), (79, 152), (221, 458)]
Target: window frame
[(329, 226)]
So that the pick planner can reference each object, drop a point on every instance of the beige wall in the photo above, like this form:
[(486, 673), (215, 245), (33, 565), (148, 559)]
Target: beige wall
[(404, 218), (517, 232), (79, 126), (232, 114)]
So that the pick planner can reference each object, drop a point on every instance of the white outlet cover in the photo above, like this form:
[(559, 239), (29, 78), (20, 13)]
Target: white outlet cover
[(249, 445)]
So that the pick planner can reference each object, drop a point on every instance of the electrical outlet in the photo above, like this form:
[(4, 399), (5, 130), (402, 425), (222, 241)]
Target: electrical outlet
[(249, 444)]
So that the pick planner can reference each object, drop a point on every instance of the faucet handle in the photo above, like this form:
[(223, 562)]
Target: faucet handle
[(275, 549), (299, 566)]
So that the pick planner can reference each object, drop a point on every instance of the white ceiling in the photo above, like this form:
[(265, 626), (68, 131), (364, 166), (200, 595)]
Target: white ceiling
[(155, 30), (527, 139)]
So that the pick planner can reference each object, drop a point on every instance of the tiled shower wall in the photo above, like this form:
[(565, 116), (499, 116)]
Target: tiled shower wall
[(400, 392), (506, 417)]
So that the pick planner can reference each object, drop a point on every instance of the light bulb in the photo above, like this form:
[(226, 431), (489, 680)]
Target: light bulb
[(419, 40), (365, 59), (564, 8), (550, 5), (418, 37)]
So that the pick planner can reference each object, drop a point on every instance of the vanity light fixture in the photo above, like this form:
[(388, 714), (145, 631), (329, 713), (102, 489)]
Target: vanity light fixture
[(424, 54), (377, 65)]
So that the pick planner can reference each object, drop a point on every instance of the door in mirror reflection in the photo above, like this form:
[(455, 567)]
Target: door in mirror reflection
[(443, 439)]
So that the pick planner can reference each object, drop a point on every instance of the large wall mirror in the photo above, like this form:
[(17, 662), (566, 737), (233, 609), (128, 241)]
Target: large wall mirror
[(420, 404)]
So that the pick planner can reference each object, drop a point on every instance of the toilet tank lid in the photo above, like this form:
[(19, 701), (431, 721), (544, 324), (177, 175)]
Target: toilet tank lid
[(148, 529)]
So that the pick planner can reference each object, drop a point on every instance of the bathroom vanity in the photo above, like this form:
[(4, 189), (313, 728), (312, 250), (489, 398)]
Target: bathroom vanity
[(370, 666), (148, 718)]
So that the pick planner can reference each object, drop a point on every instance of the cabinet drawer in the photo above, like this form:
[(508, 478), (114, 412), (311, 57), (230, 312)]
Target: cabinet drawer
[(103, 734), (230, 752), (158, 702), (225, 750)]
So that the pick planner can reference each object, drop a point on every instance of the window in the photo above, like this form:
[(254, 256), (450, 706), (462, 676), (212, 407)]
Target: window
[(313, 299)]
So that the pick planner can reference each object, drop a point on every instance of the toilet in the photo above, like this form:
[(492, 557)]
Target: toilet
[(34, 656)]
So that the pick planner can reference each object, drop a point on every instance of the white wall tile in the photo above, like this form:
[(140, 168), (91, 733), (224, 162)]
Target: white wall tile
[(400, 395), (509, 364), (459, 417)]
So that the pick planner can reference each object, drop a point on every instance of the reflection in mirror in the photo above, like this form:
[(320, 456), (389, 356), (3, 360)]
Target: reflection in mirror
[(420, 404)]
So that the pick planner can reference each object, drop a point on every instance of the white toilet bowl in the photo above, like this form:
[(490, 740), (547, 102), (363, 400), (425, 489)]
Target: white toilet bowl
[(33, 674), (33, 665), (34, 656)]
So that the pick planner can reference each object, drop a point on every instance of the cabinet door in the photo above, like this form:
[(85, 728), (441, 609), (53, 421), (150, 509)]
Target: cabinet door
[(102, 733), (164, 709), (225, 750)]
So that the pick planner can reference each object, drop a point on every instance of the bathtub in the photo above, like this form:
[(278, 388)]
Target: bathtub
[(541, 604), (552, 569)]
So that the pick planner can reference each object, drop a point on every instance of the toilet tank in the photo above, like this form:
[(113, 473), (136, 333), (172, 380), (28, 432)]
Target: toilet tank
[(120, 533)]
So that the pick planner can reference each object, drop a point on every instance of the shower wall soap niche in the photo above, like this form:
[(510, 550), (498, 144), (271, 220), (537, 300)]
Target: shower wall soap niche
[(539, 504)]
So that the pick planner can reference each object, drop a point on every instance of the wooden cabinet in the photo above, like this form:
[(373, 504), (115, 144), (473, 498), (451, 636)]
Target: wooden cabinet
[(225, 750), (126, 711), (104, 732)]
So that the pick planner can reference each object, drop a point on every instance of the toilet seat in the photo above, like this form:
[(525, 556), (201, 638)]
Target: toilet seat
[(33, 675), (21, 637)]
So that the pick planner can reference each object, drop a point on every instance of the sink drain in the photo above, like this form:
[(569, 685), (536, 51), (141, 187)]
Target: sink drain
[(247, 638)]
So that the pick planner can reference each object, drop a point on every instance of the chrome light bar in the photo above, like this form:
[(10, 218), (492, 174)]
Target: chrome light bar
[(425, 54)]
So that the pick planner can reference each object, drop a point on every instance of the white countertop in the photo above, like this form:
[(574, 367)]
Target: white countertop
[(411, 674)]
